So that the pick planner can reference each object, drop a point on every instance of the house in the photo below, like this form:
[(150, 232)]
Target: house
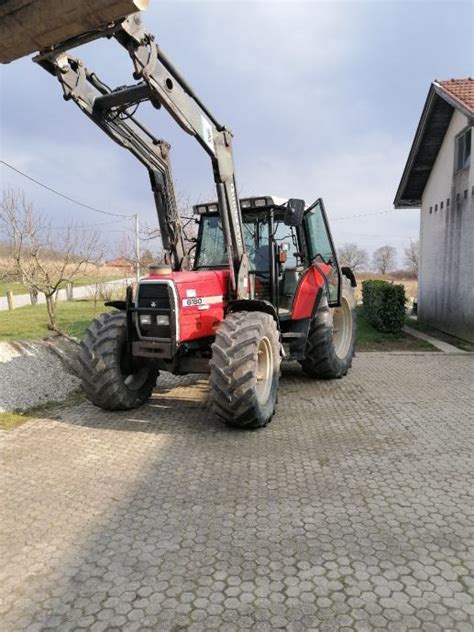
[(439, 179), (123, 264)]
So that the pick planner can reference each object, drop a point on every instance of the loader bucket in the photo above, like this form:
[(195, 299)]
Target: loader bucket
[(27, 26)]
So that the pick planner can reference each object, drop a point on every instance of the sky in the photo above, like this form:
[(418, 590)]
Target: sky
[(323, 98)]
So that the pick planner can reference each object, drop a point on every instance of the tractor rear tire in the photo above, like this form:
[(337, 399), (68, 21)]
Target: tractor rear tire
[(106, 380), (331, 338), (245, 369)]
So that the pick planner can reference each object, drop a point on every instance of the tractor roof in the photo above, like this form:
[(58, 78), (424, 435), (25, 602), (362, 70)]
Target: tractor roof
[(255, 202)]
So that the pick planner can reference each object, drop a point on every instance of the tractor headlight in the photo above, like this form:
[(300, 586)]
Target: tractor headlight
[(145, 319), (163, 320)]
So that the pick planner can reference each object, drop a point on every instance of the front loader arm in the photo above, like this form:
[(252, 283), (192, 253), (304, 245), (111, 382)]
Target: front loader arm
[(105, 108), (162, 84)]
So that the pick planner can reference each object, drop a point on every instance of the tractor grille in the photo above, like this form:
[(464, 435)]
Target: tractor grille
[(157, 293), (155, 300)]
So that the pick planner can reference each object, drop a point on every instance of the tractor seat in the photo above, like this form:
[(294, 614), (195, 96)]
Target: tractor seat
[(289, 283)]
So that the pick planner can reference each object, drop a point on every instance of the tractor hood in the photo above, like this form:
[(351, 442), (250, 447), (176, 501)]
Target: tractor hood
[(202, 297), (197, 288)]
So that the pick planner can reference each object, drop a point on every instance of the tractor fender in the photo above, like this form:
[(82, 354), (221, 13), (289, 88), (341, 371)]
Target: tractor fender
[(306, 298), (120, 305), (253, 305)]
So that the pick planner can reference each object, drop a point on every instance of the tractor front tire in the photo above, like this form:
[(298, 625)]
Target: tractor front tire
[(331, 338), (245, 369), (107, 380)]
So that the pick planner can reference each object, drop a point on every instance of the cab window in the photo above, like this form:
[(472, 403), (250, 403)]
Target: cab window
[(319, 241), (320, 248)]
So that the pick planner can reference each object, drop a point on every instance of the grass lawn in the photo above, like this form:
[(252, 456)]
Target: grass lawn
[(28, 323), (16, 288), (369, 339), (8, 421)]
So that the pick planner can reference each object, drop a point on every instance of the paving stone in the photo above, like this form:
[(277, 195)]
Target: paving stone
[(351, 511)]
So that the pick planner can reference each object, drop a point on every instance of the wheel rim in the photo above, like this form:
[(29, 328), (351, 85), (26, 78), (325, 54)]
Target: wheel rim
[(264, 370), (133, 380), (342, 328)]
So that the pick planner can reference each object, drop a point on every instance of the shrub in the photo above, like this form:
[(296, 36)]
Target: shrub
[(384, 305)]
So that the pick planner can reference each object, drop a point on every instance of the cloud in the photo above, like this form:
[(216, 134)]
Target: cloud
[(359, 179)]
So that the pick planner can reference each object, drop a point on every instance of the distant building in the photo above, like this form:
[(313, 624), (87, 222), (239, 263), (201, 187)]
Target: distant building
[(439, 179), (123, 264)]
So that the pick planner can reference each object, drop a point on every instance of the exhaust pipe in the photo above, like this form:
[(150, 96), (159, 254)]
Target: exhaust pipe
[(27, 26)]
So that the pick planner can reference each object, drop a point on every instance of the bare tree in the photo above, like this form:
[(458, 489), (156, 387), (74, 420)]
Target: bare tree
[(412, 256), (188, 224), (7, 272), (352, 255), (147, 259), (44, 259), (126, 250), (384, 259)]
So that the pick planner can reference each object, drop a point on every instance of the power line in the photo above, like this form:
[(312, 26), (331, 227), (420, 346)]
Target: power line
[(87, 226), (63, 195)]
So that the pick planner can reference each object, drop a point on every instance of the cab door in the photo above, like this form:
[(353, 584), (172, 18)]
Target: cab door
[(321, 250)]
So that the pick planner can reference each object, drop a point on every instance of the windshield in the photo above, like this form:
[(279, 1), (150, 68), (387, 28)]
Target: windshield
[(212, 248), (211, 252)]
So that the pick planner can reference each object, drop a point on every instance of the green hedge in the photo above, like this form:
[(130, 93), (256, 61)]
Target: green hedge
[(384, 305)]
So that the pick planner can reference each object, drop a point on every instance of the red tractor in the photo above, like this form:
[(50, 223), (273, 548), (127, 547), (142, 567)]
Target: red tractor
[(264, 284)]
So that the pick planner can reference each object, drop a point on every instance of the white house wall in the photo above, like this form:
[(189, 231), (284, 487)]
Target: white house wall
[(446, 279)]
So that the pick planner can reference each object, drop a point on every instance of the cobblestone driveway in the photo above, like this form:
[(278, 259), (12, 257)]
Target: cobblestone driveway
[(353, 510)]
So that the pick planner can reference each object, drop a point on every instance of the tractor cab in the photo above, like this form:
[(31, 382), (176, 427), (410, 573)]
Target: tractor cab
[(280, 245)]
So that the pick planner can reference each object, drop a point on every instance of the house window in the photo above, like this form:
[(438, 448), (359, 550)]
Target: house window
[(447, 203), (431, 209), (441, 206), (436, 208), (463, 151)]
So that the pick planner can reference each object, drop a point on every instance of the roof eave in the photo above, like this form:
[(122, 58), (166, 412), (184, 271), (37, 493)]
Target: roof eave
[(399, 202), (406, 204)]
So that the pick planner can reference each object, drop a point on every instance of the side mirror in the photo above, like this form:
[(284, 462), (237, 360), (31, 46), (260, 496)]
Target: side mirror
[(283, 250), (294, 212)]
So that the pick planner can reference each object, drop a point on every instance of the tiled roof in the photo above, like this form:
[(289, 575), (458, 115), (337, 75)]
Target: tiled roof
[(462, 90)]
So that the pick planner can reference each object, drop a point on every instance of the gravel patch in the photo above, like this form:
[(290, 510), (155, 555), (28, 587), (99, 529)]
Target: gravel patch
[(35, 373)]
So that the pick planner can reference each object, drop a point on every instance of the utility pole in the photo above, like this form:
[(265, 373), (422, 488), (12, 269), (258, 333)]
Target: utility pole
[(137, 248)]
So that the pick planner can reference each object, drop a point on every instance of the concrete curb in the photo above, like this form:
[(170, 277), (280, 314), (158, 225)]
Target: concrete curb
[(439, 344)]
